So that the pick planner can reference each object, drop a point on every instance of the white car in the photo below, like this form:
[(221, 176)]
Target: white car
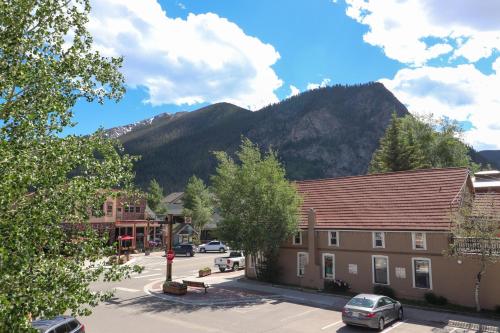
[(213, 246)]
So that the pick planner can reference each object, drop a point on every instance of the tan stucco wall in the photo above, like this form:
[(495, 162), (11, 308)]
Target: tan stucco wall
[(449, 278)]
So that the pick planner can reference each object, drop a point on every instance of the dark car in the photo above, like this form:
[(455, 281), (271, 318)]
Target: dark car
[(186, 249), (373, 311), (59, 324)]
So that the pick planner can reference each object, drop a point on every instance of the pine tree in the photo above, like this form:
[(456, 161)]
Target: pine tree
[(393, 154), (155, 196)]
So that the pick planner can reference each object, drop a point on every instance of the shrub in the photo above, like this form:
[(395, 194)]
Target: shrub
[(206, 269), (174, 284), (432, 298), (384, 290), (336, 286)]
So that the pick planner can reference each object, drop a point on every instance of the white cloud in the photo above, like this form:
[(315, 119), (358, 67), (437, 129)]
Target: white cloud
[(462, 93), (325, 82), (415, 31), (204, 58), (293, 91)]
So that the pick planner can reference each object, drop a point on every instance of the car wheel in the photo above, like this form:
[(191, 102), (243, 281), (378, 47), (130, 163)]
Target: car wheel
[(202, 250), (221, 250), (222, 269), (381, 324), (236, 267), (191, 254), (400, 314)]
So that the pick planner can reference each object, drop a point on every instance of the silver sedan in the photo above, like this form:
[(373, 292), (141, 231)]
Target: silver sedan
[(374, 311)]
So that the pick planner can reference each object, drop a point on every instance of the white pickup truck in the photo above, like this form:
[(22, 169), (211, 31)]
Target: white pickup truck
[(235, 261)]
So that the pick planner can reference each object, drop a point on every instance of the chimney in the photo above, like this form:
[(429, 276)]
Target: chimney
[(311, 239)]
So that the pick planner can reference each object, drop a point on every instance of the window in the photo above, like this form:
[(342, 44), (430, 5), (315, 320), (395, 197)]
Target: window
[(62, 329), (380, 269), (422, 273), (73, 325), (378, 239), (126, 209), (302, 261), (333, 238), (297, 239), (109, 209), (328, 266), (138, 209), (419, 241)]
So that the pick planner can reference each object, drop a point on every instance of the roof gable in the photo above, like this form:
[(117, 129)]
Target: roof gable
[(407, 200)]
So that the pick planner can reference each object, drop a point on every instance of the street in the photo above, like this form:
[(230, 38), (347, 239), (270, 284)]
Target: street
[(227, 307)]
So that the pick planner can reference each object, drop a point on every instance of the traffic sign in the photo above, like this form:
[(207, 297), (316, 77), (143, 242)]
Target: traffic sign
[(170, 256)]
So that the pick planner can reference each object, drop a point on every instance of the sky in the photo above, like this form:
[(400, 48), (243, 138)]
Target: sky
[(440, 57)]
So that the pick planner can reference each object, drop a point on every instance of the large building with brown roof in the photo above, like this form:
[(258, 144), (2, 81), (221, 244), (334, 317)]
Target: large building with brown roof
[(387, 229)]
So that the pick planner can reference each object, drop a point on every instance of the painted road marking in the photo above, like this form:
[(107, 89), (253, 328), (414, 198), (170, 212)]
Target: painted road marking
[(330, 325), (393, 326), (127, 289), (298, 315), (145, 276)]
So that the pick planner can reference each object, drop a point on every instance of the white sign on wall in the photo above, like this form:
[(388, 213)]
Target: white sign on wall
[(401, 272), (353, 269)]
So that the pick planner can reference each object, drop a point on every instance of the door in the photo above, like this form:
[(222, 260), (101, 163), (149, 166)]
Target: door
[(213, 246)]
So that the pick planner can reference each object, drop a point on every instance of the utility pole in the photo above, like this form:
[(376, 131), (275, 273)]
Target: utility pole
[(170, 253)]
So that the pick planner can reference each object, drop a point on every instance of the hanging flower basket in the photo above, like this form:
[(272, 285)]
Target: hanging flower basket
[(204, 272), (174, 288)]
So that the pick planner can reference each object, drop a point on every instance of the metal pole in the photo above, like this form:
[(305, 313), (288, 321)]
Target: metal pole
[(170, 221), (147, 240)]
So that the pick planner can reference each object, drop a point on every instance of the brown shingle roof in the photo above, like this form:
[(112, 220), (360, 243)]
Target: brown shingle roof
[(408, 200)]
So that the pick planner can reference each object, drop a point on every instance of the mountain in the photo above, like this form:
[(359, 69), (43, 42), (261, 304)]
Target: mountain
[(118, 131), (492, 156), (326, 132)]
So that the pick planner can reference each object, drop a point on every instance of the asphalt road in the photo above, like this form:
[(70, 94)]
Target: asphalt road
[(132, 310)]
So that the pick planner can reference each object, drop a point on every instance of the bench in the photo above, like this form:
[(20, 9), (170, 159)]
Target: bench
[(196, 284)]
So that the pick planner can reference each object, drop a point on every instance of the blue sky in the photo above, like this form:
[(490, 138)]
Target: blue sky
[(181, 55)]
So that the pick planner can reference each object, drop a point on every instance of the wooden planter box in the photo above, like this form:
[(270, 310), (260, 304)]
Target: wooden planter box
[(174, 290), (202, 273)]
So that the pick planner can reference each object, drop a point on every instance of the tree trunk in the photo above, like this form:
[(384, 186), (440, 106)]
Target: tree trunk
[(478, 285)]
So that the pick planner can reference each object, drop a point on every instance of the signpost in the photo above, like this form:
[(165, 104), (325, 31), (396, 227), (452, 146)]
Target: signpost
[(170, 253)]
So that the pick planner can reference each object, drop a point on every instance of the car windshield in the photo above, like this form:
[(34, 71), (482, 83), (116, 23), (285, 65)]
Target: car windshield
[(361, 302)]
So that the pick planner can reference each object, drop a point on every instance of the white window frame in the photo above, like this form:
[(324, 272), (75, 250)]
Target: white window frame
[(293, 238), (374, 242), (413, 272), (388, 270), (298, 262), (414, 238), (330, 238), (323, 256)]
